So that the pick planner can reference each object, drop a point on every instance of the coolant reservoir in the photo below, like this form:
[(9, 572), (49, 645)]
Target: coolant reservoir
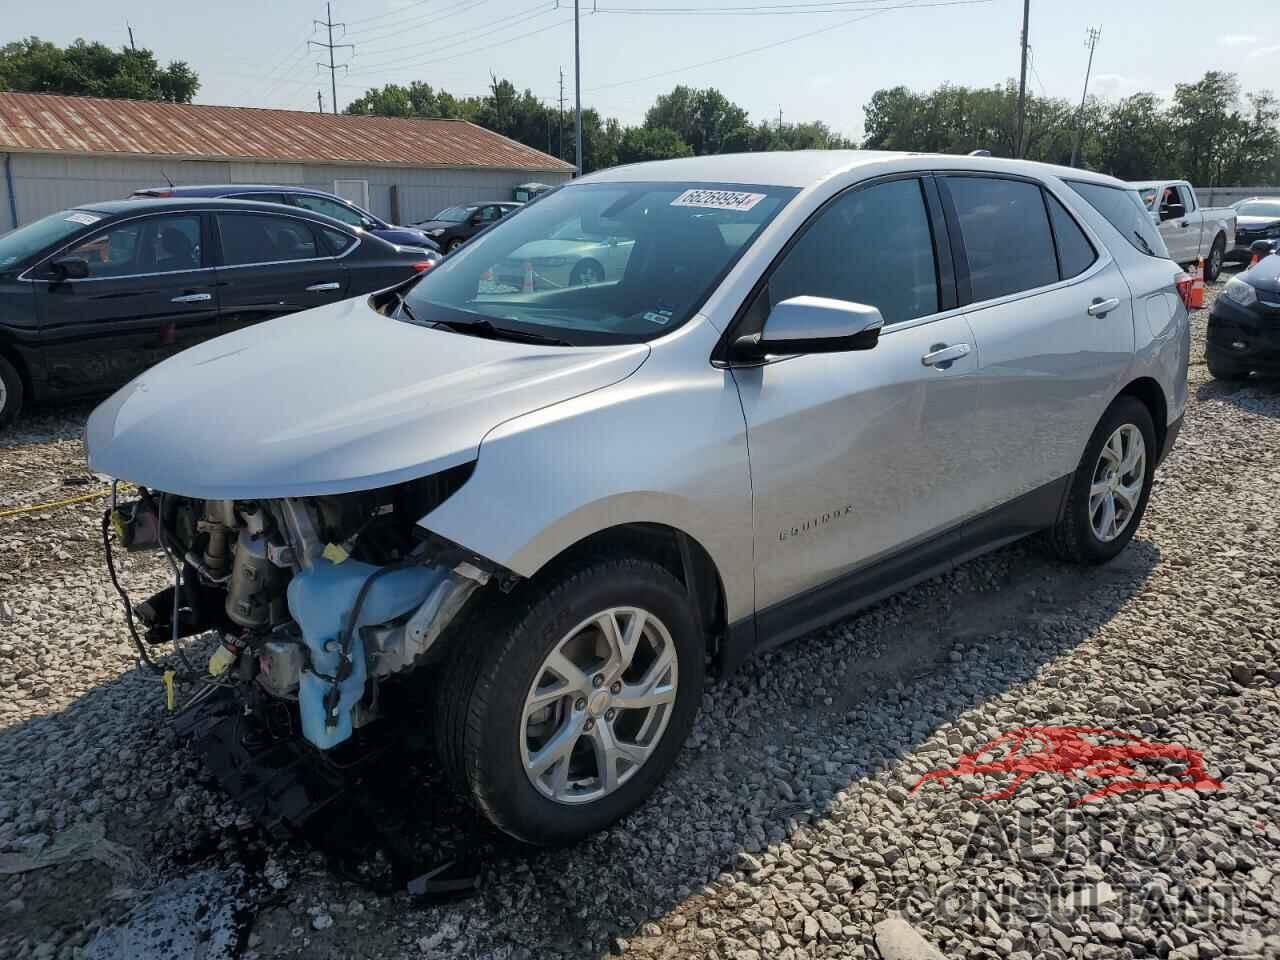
[(320, 600)]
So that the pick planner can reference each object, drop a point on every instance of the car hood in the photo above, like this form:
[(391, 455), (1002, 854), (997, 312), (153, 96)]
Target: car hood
[(405, 236), (331, 400), (542, 249), (1265, 274), (436, 224), (1253, 223)]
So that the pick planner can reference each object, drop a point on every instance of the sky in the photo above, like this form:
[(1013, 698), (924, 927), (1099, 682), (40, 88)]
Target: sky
[(810, 65)]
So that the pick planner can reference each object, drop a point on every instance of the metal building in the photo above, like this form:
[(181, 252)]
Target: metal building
[(57, 152)]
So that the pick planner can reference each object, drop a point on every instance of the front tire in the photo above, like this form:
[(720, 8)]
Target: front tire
[(1213, 265), (1109, 490), (561, 711), (11, 393)]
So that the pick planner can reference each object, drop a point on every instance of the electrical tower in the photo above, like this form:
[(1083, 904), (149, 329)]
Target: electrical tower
[(333, 68), (1091, 41)]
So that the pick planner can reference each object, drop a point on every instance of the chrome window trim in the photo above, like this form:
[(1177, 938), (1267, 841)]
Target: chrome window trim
[(1103, 259), (164, 273)]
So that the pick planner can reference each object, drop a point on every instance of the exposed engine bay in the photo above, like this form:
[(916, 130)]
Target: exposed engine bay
[(317, 600)]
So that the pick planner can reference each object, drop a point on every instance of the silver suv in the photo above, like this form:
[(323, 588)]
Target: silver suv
[(547, 507)]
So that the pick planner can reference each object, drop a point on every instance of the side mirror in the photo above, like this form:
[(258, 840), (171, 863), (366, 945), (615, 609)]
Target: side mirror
[(811, 325), (70, 268), (1173, 211)]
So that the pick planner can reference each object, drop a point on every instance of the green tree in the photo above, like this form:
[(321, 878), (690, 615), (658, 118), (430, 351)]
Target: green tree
[(93, 70), (706, 120), (651, 143)]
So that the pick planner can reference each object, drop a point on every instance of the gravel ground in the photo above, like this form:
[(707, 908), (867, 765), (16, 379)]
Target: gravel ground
[(789, 828)]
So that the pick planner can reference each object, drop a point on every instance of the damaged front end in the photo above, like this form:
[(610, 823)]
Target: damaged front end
[(318, 600)]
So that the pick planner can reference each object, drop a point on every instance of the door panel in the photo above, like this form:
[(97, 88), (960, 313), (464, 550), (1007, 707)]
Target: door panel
[(855, 454), (273, 265), (1049, 369), (136, 307)]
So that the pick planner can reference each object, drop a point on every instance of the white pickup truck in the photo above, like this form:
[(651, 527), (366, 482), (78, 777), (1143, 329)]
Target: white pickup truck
[(1190, 231)]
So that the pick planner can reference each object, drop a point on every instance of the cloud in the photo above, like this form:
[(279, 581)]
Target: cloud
[(1236, 40), (1270, 51)]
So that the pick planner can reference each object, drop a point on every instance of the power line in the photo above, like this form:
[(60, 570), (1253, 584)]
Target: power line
[(778, 43), (331, 46), (467, 53), (390, 13), (400, 28), (538, 8), (768, 9), (1091, 41), (463, 36)]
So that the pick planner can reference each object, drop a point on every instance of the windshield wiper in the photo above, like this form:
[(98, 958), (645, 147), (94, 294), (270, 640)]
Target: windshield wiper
[(486, 329), (404, 309)]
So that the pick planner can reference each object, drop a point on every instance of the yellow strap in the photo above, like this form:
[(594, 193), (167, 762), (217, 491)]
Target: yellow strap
[(83, 498), (169, 696)]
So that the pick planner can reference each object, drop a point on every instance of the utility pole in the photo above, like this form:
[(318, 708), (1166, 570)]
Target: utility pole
[(577, 84), (1091, 41), (1022, 84), (779, 119), (129, 27), (331, 46), (319, 102), (560, 135)]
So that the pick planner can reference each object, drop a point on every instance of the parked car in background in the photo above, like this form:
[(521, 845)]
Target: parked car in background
[(315, 200), (571, 256), (1244, 325), (454, 226), (1190, 231), (557, 506), (91, 297), (1257, 218)]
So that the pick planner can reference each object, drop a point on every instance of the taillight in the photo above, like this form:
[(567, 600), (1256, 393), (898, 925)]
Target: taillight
[(1185, 282), (422, 266)]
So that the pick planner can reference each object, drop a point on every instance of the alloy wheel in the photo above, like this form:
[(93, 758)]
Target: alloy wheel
[(598, 705), (1117, 483)]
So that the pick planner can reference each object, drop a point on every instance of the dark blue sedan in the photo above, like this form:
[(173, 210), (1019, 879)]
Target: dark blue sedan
[(315, 200)]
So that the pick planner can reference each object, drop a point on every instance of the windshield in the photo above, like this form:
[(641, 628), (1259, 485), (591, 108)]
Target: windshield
[(599, 263), (454, 214), (1260, 208), (26, 242)]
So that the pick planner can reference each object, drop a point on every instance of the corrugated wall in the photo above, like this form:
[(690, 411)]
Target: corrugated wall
[(46, 183)]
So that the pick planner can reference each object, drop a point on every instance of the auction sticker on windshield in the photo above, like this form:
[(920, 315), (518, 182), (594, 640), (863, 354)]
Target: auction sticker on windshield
[(717, 199), (88, 219)]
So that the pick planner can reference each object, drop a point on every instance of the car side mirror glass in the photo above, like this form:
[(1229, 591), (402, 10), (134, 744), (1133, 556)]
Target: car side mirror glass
[(70, 268), (812, 325), (1173, 211)]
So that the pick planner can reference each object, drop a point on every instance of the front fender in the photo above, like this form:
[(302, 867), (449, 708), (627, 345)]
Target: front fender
[(667, 445)]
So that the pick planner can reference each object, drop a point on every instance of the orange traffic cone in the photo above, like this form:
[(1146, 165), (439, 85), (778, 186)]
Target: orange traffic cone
[(527, 286), (1254, 261), (1197, 288)]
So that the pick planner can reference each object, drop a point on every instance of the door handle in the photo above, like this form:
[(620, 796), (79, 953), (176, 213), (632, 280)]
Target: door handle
[(1100, 307), (318, 287), (942, 356), (192, 298)]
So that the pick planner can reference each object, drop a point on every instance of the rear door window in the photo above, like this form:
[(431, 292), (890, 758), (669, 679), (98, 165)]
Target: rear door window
[(336, 241), (1123, 209), (330, 208), (871, 246), (1006, 235), (249, 238), (1075, 252)]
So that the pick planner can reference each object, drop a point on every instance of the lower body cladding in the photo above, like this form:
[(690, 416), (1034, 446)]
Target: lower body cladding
[(318, 601)]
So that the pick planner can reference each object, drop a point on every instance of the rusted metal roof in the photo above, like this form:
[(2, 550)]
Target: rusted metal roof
[(47, 123)]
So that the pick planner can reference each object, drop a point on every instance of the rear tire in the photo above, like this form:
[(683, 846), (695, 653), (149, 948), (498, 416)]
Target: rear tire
[(11, 393), (497, 718), (1105, 475), (1223, 369), (1213, 265)]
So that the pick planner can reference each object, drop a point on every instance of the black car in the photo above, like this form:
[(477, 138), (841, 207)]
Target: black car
[(1257, 218), (91, 297), (316, 200), (1244, 325), (453, 226)]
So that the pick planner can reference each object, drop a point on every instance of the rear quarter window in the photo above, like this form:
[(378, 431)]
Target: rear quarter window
[(1124, 210)]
